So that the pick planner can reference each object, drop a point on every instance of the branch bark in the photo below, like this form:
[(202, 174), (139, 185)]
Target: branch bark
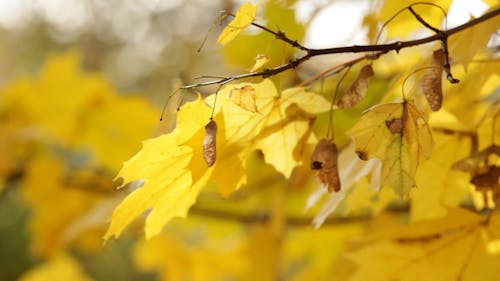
[(377, 50)]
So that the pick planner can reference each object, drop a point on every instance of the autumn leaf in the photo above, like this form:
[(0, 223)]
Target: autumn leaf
[(398, 135), (171, 166), (260, 61), (168, 168), (461, 239), (402, 25), (439, 186), (244, 97), (283, 120), (465, 45), (243, 18), (287, 126)]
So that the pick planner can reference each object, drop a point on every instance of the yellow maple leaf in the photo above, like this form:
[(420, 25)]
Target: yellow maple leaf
[(418, 251), (170, 171), (405, 23), (244, 97), (243, 18), (284, 122), (465, 44), (172, 166), (439, 186), (398, 135)]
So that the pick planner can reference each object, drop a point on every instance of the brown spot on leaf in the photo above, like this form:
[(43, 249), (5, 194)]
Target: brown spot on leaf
[(324, 160), (209, 143), (395, 125), (362, 155)]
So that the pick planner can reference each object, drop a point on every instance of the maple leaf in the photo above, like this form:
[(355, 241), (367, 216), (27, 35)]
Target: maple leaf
[(244, 17), (244, 97), (405, 23), (287, 126), (398, 135), (171, 165), (169, 170), (464, 45), (462, 239), (284, 119), (439, 186)]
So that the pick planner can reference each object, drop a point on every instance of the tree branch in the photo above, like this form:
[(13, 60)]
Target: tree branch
[(377, 49)]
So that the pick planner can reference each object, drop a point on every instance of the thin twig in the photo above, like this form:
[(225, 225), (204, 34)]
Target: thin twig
[(380, 49)]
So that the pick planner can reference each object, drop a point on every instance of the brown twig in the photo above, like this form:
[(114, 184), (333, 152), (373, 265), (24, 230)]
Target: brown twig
[(378, 49)]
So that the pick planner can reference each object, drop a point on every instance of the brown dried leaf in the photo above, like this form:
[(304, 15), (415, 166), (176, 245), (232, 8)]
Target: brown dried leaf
[(357, 91), (324, 160), (244, 97), (431, 82), (209, 143)]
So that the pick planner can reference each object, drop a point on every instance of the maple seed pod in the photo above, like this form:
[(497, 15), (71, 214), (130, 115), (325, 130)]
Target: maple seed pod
[(357, 91), (431, 82), (324, 161), (209, 143)]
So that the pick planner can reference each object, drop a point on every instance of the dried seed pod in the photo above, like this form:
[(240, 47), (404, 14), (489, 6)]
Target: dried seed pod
[(209, 143), (431, 82), (357, 91), (324, 161)]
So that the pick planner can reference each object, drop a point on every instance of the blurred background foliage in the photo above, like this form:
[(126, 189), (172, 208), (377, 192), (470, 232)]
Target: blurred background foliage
[(82, 83)]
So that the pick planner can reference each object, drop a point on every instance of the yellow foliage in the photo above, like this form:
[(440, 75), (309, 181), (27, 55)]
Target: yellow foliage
[(260, 61), (438, 185), (176, 260), (464, 45), (171, 165), (81, 110), (44, 188), (405, 23), (242, 19), (59, 268), (399, 136), (452, 248)]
